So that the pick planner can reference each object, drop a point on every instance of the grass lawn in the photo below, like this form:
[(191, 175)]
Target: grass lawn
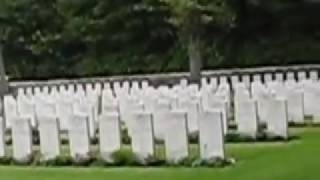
[(295, 160)]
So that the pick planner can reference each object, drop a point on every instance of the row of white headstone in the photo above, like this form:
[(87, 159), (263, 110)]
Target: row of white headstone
[(124, 100), (163, 113), (263, 77), (211, 139), (250, 111)]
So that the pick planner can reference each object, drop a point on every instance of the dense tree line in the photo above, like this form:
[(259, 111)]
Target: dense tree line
[(59, 38)]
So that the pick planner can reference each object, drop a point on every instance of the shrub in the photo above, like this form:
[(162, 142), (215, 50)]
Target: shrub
[(5, 160), (185, 162), (293, 124), (216, 162), (58, 161), (153, 161), (236, 137), (125, 158)]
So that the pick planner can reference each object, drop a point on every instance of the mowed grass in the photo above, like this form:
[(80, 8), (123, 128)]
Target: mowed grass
[(294, 160)]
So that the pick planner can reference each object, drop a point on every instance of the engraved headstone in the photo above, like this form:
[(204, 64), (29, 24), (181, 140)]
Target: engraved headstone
[(110, 136), (176, 140), (79, 136), (21, 139), (142, 138), (211, 135), (49, 137)]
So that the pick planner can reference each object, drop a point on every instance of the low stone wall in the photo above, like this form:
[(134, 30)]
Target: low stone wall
[(168, 78)]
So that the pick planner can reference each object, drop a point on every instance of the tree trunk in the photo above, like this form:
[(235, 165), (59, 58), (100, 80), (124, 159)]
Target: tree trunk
[(195, 59), (3, 79)]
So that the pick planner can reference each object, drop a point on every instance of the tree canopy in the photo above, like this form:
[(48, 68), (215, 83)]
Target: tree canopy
[(57, 38)]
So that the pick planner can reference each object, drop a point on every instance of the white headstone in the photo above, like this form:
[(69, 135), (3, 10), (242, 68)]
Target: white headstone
[(135, 85), (37, 91), (54, 91), (223, 80), (184, 83), (162, 108), (246, 80), (20, 91), (314, 76), (106, 85), (98, 87), (116, 86), (246, 117), (214, 82), (79, 136), (192, 109), (126, 86), (222, 106), (279, 77), (71, 89), (110, 107), (26, 108), (302, 75), (49, 137), (290, 76), (87, 109), (268, 77), (176, 140), (211, 135), (257, 78), (204, 82), (142, 139), (64, 113), (29, 91), (110, 136), (45, 90), (132, 105), (10, 109), (295, 106), (2, 138), (277, 122), (310, 98), (63, 89), (316, 108), (45, 108), (145, 84), (89, 89), (21, 139), (234, 80)]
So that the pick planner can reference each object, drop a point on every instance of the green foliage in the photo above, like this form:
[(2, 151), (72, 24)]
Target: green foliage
[(125, 158), (58, 38), (5, 160), (196, 162), (262, 136), (193, 16), (58, 161)]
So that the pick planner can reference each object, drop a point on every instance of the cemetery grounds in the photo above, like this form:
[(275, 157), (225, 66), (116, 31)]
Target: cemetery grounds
[(293, 160)]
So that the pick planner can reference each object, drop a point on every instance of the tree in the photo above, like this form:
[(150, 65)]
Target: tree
[(191, 18), (4, 29), (123, 36)]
